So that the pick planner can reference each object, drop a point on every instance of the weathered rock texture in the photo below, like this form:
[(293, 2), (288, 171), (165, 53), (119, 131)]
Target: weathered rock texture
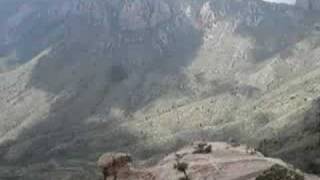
[(225, 162), (111, 163)]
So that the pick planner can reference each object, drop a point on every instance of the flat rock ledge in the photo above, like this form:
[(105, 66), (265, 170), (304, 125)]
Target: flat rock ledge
[(203, 161)]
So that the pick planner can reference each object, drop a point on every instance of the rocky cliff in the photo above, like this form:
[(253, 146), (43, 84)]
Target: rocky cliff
[(223, 162)]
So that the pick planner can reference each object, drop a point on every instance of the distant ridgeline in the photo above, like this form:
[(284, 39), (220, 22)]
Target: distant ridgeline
[(309, 4)]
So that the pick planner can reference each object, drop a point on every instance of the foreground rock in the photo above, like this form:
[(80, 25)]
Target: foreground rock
[(110, 163), (223, 162)]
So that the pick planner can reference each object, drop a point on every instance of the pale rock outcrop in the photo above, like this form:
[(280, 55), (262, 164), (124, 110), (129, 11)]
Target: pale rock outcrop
[(207, 16), (224, 162)]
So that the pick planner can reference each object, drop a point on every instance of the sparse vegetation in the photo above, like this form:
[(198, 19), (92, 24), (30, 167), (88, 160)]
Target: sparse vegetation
[(181, 167), (202, 148), (97, 75), (111, 163), (278, 172)]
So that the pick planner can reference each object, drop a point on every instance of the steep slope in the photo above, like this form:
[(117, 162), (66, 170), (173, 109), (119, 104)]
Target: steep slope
[(81, 77)]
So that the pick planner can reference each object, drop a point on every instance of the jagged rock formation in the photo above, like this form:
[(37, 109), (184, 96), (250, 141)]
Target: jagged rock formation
[(225, 162)]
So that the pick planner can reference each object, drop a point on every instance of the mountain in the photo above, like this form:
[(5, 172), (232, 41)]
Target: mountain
[(82, 77)]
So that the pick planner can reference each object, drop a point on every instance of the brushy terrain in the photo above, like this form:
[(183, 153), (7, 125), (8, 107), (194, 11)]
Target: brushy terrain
[(82, 77)]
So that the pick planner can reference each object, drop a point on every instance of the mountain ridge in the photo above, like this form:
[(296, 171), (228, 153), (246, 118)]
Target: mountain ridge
[(88, 78)]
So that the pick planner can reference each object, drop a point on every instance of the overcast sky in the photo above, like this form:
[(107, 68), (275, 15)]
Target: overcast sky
[(282, 1)]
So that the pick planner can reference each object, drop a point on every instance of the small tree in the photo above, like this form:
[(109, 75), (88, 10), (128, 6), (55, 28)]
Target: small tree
[(181, 167)]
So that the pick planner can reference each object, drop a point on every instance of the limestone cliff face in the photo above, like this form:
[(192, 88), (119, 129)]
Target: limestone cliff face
[(309, 4), (100, 16)]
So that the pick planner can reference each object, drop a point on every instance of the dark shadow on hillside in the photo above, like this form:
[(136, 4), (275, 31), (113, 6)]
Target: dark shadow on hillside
[(297, 143), (96, 69), (303, 148), (91, 72)]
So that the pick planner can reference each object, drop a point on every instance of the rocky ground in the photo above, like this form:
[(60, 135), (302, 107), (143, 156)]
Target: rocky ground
[(222, 162)]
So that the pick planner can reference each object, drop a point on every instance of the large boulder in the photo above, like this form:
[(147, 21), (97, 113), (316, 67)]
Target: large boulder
[(112, 163)]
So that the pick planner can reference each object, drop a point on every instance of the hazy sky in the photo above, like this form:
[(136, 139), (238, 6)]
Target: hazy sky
[(282, 1)]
